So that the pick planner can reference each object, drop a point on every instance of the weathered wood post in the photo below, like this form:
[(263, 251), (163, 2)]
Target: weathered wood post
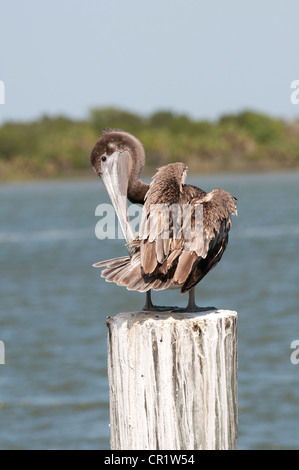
[(173, 380)]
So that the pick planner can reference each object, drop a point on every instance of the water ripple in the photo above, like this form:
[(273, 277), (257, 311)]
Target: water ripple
[(45, 235), (260, 232)]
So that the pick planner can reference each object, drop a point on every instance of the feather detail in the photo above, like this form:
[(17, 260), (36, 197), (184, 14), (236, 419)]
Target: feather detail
[(166, 246), (172, 257), (111, 262), (148, 256), (160, 250), (184, 267)]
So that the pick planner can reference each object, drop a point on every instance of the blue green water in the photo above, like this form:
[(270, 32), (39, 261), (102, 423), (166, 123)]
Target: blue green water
[(53, 306)]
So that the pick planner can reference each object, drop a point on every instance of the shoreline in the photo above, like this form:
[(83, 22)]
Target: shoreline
[(146, 176)]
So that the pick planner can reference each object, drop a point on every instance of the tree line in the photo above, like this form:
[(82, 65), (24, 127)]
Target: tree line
[(52, 147)]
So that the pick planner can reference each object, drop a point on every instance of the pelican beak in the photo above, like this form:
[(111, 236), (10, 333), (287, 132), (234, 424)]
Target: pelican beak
[(115, 176)]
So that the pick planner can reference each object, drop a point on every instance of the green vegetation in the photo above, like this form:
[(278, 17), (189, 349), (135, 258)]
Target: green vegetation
[(60, 147)]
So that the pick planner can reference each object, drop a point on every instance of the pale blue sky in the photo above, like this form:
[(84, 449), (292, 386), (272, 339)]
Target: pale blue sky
[(203, 58)]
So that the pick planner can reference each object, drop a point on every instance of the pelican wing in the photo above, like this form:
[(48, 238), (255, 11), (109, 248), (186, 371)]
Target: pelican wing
[(218, 206), (188, 237)]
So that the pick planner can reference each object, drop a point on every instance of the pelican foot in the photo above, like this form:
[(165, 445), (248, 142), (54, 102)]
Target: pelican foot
[(194, 308), (149, 307), (156, 308)]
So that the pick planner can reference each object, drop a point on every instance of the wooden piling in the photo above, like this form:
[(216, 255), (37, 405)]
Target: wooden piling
[(173, 380)]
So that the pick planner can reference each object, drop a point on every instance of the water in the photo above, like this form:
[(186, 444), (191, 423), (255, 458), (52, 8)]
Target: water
[(54, 388)]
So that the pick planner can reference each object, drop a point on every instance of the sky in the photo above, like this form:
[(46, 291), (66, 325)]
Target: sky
[(197, 57)]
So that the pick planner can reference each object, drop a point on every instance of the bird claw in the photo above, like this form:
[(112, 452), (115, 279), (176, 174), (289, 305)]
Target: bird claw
[(156, 308), (194, 309)]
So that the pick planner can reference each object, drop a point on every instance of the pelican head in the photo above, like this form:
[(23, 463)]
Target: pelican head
[(118, 158)]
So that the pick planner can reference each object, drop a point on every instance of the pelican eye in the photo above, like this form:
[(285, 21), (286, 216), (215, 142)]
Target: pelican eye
[(104, 158)]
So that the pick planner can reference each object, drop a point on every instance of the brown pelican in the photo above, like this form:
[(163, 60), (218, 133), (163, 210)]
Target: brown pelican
[(155, 261)]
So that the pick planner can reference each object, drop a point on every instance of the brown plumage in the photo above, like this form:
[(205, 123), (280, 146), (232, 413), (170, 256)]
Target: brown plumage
[(165, 255)]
